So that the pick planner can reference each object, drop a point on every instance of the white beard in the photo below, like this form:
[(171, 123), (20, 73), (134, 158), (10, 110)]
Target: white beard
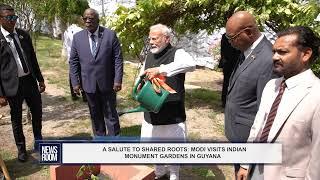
[(156, 50)]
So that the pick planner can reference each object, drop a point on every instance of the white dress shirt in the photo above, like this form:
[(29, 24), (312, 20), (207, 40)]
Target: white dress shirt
[(6, 34), (254, 45)]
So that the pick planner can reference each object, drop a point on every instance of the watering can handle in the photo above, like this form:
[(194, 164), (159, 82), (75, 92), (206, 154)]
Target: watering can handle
[(135, 88)]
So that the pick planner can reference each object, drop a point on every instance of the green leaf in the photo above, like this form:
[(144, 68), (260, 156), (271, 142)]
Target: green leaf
[(131, 16), (210, 174), (287, 11)]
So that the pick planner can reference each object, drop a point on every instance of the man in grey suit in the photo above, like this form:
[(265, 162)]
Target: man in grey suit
[(250, 76), (96, 57)]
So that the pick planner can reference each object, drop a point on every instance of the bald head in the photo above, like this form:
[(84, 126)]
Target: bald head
[(242, 19), (242, 26)]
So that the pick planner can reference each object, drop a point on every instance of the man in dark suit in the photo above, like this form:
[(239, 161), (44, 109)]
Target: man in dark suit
[(228, 61), (96, 57), (19, 74), (254, 70)]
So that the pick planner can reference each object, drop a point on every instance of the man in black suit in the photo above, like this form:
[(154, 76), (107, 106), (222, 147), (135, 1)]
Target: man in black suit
[(20, 78), (228, 61)]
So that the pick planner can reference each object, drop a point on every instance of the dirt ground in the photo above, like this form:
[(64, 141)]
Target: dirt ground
[(63, 118)]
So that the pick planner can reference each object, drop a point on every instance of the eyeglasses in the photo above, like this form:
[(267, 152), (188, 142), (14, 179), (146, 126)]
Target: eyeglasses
[(230, 38), (88, 18), (156, 38), (10, 18)]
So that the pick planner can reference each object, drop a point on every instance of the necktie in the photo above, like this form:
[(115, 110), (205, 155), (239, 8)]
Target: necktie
[(23, 62), (94, 45), (241, 58), (272, 114)]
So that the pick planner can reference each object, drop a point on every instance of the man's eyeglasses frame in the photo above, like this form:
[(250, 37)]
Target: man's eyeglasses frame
[(231, 38), (88, 18)]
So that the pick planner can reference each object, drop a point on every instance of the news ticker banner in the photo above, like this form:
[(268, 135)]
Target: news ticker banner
[(159, 153)]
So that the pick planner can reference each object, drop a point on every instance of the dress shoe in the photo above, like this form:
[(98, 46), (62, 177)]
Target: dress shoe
[(22, 156), (36, 147), (36, 142)]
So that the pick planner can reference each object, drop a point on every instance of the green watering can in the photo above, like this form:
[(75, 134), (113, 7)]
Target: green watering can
[(149, 99)]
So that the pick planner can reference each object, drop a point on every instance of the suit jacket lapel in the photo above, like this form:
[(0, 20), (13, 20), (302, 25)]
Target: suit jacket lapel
[(5, 44), (297, 94), (2, 38), (246, 63), (241, 68), (24, 45), (22, 41), (100, 36)]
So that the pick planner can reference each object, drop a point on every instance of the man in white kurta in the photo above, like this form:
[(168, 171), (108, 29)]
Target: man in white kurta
[(169, 123)]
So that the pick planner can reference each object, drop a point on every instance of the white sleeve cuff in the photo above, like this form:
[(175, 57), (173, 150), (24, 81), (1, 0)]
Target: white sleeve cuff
[(162, 69)]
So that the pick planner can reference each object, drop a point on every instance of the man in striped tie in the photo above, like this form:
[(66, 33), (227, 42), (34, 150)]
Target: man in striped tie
[(96, 60), (289, 112)]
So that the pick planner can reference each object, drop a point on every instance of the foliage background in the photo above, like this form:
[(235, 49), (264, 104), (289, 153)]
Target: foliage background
[(132, 24), (36, 13)]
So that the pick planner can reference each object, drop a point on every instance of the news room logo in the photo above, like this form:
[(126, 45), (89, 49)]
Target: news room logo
[(50, 153)]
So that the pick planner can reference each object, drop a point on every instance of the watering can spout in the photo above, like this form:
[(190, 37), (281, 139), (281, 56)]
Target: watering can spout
[(137, 109)]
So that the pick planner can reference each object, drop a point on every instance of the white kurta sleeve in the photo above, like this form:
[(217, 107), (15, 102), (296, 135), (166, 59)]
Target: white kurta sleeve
[(182, 63)]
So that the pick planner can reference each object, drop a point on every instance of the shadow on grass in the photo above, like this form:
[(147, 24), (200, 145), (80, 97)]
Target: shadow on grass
[(79, 136), (125, 131), (17, 169), (58, 107), (197, 98)]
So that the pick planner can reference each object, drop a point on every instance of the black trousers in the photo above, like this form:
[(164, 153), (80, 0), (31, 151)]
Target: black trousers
[(102, 106), (28, 91), (226, 78)]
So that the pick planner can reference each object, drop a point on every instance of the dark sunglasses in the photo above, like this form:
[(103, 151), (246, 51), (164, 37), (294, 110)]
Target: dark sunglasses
[(10, 18), (87, 18)]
